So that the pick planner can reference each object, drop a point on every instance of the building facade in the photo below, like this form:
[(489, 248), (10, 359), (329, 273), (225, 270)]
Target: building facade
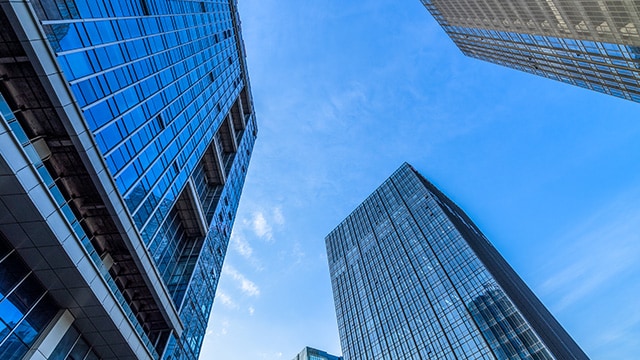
[(126, 129), (309, 353), (414, 278), (591, 44)]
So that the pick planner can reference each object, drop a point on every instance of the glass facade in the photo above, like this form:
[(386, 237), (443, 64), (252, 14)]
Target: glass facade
[(73, 346), (413, 278), (25, 307), (591, 44), (309, 353), (163, 92)]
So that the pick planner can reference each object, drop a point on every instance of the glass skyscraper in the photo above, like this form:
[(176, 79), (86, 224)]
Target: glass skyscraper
[(126, 129), (309, 353), (414, 278), (588, 43)]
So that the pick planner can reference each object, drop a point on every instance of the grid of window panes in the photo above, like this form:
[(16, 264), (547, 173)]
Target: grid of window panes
[(493, 312), (309, 353), (610, 21), (172, 254), (73, 346), (315, 354), (196, 304), (25, 307), (403, 279), (607, 67), (7, 115), (155, 80)]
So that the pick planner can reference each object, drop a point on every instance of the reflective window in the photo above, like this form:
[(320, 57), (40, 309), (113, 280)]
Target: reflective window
[(25, 307), (72, 347), (409, 285), (160, 84), (585, 45)]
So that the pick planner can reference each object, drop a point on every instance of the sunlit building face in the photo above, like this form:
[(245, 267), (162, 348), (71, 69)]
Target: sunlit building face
[(591, 44)]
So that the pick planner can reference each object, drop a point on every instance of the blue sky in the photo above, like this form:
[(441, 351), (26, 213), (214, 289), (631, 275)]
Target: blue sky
[(344, 93)]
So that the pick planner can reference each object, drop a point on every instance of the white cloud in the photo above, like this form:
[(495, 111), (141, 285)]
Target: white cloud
[(278, 217), (247, 286), (261, 222), (251, 310), (261, 228), (297, 253), (241, 245), (224, 329), (225, 300)]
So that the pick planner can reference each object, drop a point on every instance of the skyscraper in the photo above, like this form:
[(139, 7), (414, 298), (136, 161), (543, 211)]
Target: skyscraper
[(309, 353), (126, 129), (591, 44), (414, 278)]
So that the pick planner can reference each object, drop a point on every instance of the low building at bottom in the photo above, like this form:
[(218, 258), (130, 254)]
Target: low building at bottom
[(414, 278), (309, 353)]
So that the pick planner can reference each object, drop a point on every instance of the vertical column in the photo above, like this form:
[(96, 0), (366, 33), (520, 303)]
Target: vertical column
[(51, 336)]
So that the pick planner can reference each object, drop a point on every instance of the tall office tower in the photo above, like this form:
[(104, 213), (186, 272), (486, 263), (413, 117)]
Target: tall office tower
[(592, 44), (414, 278), (126, 129), (309, 353)]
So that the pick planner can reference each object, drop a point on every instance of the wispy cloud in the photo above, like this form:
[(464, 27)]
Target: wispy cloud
[(241, 245), (625, 332), (247, 286), (214, 331), (261, 227), (225, 326), (297, 253), (278, 217), (262, 222), (599, 250), (251, 310), (225, 299)]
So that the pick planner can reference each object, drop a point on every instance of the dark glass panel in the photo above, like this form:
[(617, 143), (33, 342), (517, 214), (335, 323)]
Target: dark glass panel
[(12, 270), (64, 346), (13, 349)]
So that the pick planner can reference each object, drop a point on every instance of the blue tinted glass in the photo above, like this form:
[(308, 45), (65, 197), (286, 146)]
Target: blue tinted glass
[(79, 66), (64, 346), (26, 333), (29, 291), (79, 350), (155, 89), (4, 329), (404, 262), (12, 271), (11, 315), (13, 348), (42, 314), (21, 300)]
